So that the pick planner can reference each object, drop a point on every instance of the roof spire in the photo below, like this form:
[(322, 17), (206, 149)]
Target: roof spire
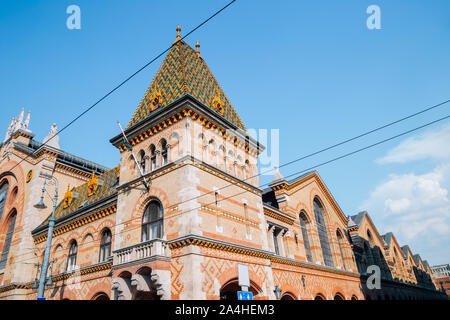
[(197, 45), (178, 33)]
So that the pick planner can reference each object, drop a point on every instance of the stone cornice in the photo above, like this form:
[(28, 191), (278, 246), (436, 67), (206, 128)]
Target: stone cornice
[(195, 240), (62, 276), (190, 160), (277, 214), (75, 223)]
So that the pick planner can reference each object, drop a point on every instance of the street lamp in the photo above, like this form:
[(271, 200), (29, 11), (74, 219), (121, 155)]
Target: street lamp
[(277, 292), (51, 224)]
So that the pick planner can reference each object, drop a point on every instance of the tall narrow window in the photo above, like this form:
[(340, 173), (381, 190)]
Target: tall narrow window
[(3, 195), (303, 225), (72, 258), (152, 222), (142, 160), (7, 243), (323, 235), (105, 245), (275, 241), (153, 157), (164, 152), (340, 243)]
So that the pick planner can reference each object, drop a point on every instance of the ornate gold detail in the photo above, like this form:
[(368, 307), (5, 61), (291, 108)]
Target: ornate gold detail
[(155, 100), (68, 197), (29, 176), (92, 184), (197, 46), (217, 105), (178, 33)]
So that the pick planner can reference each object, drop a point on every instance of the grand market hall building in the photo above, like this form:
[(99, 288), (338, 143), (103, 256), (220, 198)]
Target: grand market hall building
[(203, 213)]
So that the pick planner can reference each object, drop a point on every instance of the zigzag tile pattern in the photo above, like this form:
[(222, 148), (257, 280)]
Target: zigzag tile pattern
[(184, 72)]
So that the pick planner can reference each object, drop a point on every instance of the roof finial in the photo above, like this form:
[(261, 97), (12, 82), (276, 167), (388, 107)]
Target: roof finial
[(197, 45), (178, 33)]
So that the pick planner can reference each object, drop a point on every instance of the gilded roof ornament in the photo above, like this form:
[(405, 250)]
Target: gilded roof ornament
[(92, 184), (197, 45), (155, 99), (68, 197), (217, 105), (178, 33)]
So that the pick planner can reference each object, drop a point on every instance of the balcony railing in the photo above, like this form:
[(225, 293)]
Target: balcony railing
[(141, 251)]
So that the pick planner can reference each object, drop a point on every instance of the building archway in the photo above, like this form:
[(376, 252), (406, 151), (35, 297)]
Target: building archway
[(288, 296), (229, 289), (100, 296), (319, 296), (339, 296)]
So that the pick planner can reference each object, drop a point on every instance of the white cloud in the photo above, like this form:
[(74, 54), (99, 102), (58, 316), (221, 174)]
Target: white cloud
[(433, 144), (416, 209)]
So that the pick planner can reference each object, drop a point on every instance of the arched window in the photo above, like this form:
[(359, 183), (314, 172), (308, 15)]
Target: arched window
[(72, 258), (340, 243), (7, 243), (153, 157), (105, 245), (164, 152), (142, 160), (152, 221), (303, 225), (323, 236), (3, 195)]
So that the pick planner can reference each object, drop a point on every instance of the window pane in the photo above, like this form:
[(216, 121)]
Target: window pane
[(323, 236), (275, 242), (3, 194), (7, 242), (305, 238)]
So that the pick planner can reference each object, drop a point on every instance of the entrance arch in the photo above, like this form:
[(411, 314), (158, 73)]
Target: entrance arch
[(229, 289), (339, 296), (100, 296), (288, 296), (319, 296)]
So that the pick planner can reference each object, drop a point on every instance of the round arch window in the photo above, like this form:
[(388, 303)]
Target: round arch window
[(152, 221)]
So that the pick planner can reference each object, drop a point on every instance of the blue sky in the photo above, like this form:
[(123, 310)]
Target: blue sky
[(311, 69)]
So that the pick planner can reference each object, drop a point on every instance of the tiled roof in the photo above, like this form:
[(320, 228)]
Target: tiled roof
[(417, 258), (387, 238), (106, 188), (405, 250), (64, 157), (184, 72), (357, 218)]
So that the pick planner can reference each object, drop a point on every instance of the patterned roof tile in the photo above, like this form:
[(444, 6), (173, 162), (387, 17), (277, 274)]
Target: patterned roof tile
[(184, 72)]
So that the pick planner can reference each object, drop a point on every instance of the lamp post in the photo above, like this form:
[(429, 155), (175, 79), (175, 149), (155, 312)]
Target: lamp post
[(51, 225), (277, 292)]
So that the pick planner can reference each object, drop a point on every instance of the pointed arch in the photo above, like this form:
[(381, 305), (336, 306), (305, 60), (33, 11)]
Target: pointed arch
[(340, 239), (4, 188), (322, 230), (304, 222), (8, 238)]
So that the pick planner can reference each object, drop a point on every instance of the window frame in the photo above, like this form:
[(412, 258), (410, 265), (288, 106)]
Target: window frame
[(146, 226)]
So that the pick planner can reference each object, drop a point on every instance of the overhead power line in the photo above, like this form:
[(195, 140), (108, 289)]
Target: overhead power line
[(331, 146), (290, 175), (126, 80)]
